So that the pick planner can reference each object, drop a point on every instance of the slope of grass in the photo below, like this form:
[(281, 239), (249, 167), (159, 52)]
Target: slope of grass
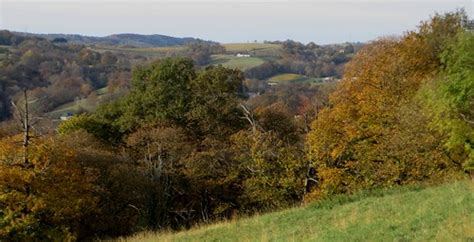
[(242, 47), (265, 51), (293, 78), (258, 51), (233, 61), (443, 213), (86, 104), (286, 77), (157, 52)]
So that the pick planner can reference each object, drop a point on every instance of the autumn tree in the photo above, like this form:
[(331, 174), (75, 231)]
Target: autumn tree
[(172, 106), (272, 170), (33, 203), (160, 153), (200, 52), (365, 139)]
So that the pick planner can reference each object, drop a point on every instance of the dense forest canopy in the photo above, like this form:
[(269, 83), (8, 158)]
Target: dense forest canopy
[(187, 143)]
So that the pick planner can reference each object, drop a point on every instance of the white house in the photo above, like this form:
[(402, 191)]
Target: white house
[(66, 116), (242, 55)]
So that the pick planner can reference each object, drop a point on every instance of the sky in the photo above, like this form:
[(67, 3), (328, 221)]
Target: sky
[(227, 21)]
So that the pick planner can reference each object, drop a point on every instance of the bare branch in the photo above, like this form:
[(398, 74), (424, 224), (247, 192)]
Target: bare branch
[(249, 117), (466, 119), (20, 113)]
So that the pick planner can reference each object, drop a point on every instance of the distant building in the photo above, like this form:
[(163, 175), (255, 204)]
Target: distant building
[(242, 55), (328, 79), (66, 116)]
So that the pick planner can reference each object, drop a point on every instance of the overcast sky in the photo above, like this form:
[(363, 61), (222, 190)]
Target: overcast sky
[(320, 21)]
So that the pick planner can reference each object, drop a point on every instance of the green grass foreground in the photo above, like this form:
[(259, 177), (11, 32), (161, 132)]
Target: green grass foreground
[(443, 213)]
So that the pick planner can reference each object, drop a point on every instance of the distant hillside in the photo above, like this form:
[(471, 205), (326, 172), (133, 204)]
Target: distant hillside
[(135, 40)]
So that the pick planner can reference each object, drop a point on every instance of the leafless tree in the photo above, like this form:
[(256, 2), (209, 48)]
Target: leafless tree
[(27, 123)]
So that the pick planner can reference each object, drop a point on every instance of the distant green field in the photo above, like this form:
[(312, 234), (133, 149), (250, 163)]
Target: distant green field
[(233, 61), (262, 51), (232, 47), (265, 51), (443, 213), (249, 46), (293, 78), (85, 104), (287, 77)]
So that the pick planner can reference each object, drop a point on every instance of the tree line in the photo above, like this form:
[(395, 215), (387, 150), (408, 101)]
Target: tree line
[(311, 60)]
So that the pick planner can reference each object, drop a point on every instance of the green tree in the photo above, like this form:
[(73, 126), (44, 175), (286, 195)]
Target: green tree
[(451, 96), (214, 107), (272, 171), (160, 92)]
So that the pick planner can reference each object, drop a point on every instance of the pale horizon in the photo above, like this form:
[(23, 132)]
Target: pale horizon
[(322, 22)]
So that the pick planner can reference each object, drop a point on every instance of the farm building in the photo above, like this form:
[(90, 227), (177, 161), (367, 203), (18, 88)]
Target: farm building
[(242, 55)]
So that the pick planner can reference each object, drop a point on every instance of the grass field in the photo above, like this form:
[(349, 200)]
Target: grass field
[(231, 47), (232, 61), (241, 47), (146, 52), (293, 78), (443, 213), (256, 49), (85, 104), (265, 51)]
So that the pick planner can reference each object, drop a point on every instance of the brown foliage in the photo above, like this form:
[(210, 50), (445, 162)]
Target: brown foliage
[(376, 133)]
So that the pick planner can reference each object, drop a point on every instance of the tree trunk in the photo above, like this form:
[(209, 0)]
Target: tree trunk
[(26, 129)]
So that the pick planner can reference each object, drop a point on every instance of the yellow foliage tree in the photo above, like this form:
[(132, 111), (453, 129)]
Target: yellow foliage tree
[(47, 199), (375, 132)]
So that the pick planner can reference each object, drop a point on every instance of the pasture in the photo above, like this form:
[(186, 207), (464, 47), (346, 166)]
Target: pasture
[(233, 61), (293, 78), (443, 213)]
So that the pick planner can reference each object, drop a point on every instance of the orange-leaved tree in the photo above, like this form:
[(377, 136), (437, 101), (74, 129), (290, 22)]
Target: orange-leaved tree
[(376, 133), (48, 198)]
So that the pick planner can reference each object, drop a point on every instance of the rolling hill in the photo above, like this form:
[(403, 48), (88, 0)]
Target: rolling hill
[(126, 39), (443, 213)]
